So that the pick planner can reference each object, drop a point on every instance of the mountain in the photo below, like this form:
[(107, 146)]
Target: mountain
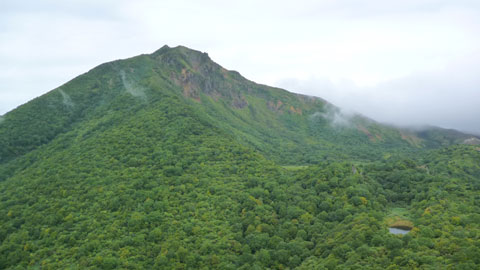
[(288, 128), (167, 160)]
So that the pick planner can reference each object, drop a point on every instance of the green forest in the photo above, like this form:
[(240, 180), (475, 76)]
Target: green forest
[(169, 161)]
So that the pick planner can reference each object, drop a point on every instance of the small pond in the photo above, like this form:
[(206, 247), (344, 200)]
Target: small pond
[(398, 230)]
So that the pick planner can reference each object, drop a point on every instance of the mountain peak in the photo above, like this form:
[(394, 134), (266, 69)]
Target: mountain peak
[(192, 57), (194, 72)]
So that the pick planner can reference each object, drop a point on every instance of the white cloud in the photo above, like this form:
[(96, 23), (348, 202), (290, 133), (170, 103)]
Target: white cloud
[(447, 97)]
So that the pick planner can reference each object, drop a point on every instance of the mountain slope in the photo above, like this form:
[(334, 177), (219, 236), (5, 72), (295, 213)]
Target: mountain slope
[(288, 128), (170, 161)]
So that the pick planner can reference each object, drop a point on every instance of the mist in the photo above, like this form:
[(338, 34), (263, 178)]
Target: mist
[(448, 98), (132, 88), (67, 101), (336, 117)]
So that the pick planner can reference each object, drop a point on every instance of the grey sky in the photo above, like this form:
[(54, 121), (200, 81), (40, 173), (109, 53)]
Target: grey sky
[(404, 62)]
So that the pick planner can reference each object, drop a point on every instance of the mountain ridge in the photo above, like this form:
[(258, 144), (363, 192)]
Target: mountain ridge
[(198, 78)]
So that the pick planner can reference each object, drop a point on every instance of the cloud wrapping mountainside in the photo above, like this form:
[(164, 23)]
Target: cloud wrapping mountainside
[(448, 97)]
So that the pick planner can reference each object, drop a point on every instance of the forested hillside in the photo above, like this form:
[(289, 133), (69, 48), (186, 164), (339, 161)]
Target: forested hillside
[(169, 161)]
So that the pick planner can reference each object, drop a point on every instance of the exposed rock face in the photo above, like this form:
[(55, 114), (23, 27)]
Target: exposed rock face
[(196, 73), (472, 141)]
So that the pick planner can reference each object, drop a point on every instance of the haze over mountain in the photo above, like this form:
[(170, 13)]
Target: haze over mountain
[(375, 58), (414, 100), (170, 161)]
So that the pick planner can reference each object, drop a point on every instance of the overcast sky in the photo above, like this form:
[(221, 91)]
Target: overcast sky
[(408, 62)]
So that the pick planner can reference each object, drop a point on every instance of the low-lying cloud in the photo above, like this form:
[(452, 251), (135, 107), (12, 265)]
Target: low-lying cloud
[(67, 101), (448, 98), (336, 117), (132, 88)]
